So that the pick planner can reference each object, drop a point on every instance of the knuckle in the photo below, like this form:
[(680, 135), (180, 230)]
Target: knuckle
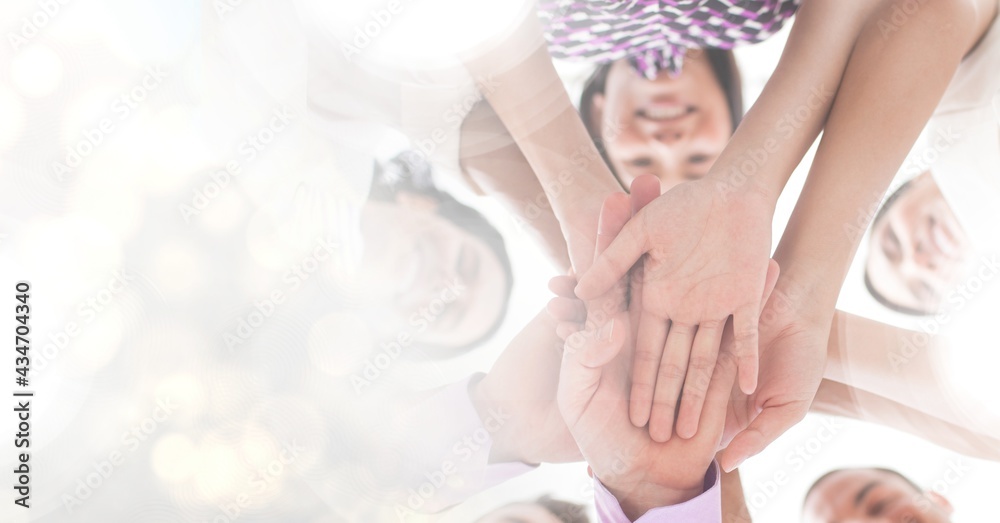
[(646, 358), (701, 364), (671, 371)]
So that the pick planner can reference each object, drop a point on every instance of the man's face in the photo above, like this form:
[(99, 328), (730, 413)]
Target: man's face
[(427, 277), (919, 252), (872, 496)]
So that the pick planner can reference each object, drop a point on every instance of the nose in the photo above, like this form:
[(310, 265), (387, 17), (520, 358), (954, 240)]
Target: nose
[(924, 256), (668, 136)]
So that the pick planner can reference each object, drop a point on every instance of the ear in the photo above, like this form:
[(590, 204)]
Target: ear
[(416, 202), (940, 501)]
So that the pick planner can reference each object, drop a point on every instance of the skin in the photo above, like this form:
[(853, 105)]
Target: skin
[(520, 513), (413, 256), (868, 495), (918, 249), (673, 128)]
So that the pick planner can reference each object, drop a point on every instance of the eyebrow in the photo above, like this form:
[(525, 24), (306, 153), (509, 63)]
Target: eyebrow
[(864, 491)]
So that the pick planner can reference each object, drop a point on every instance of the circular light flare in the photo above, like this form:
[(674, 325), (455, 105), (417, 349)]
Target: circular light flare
[(173, 458), (36, 71)]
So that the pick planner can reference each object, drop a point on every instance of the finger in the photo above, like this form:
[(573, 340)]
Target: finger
[(614, 262), (650, 339), (670, 380), (745, 338), (563, 286), (615, 213), (566, 329), (645, 189), (704, 355), (713, 418), (578, 375), (764, 429), (567, 310), (773, 270)]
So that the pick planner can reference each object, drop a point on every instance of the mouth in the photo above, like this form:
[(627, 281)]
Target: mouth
[(665, 110)]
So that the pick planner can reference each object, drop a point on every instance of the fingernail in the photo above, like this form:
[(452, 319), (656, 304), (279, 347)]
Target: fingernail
[(607, 331)]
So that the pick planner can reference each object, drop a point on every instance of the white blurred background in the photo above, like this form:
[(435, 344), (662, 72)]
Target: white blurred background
[(115, 119)]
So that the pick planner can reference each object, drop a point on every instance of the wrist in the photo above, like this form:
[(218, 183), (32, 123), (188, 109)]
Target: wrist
[(504, 448), (745, 182), (636, 496)]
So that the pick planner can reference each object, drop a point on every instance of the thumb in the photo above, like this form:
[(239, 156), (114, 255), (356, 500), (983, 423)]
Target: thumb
[(615, 262), (763, 430)]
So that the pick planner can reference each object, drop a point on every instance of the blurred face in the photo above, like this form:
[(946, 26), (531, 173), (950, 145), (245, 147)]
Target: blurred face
[(673, 128), (872, 496), (918, 250), (520, 513), (428, 278)]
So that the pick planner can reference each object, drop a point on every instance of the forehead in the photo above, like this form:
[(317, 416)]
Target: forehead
[(834, 497)]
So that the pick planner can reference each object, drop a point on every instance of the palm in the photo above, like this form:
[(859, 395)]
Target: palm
[(707, 258), (596, 413), (792, 360)]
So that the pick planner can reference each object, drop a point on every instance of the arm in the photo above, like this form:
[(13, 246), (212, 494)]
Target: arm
[(893, 81), (838, 399), (496, 165), (734, 505), (530, 100), (522, 385), (892, 363)]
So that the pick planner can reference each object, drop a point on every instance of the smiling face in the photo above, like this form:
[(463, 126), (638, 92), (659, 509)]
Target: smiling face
[(428, 277), (872, 496), (673, 128), (918, 250)]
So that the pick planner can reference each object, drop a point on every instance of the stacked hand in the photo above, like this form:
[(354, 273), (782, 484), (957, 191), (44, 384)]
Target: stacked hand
[(706, 260), (640, 472), (792, 353)]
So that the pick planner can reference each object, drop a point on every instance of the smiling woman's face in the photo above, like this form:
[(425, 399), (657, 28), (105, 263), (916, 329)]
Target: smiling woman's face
[(428, 278), (673, 128), (918, 250)]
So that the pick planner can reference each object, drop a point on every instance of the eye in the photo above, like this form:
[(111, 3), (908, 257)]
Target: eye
[(891, 245), (877, 508), (641, 162), (699, 159)]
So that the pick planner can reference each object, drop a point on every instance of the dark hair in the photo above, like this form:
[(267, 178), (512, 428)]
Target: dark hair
[(879, 297), (723, 64), (409, 172), (826, 476)]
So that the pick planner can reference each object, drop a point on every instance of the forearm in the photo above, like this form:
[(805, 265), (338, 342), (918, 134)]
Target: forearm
[(734, 505), (838, 399), (522, 384), (891, 86), (792, 109), (531, 101), (492, 161), (897, 364)]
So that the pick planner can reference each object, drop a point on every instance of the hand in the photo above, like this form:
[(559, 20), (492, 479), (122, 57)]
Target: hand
[(522, 383), (707, 260), (593, 398), (792, 360)]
